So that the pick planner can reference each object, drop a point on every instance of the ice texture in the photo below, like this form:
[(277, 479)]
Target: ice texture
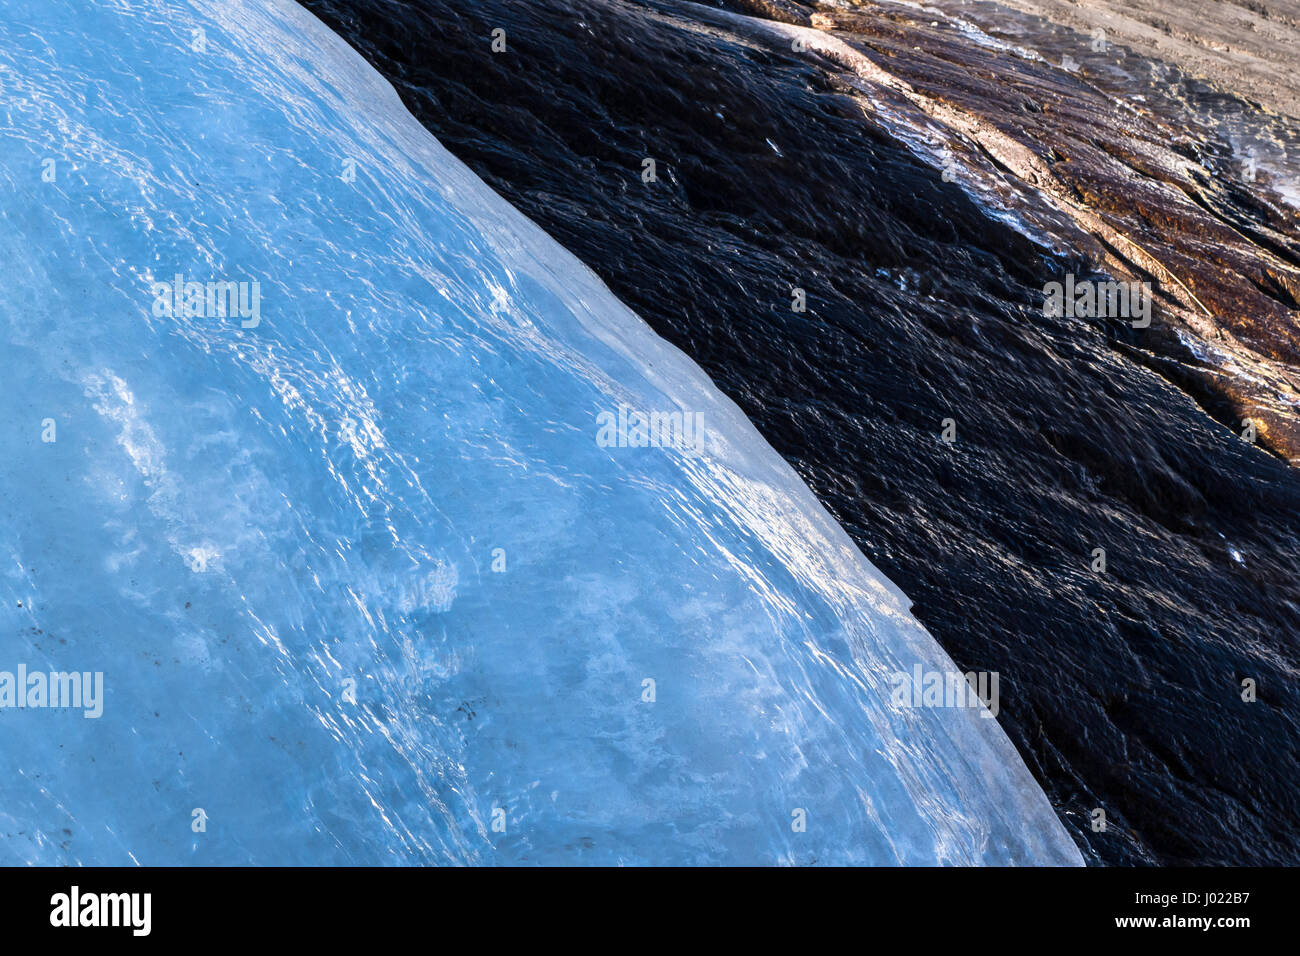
[(363, 584)]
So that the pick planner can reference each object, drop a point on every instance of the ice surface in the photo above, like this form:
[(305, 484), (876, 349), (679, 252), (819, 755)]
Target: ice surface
[(363, 584)]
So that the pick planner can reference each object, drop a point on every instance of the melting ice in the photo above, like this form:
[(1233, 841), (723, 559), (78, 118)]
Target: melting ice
[(363, 585)]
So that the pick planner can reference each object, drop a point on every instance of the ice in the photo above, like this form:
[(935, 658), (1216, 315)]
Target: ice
[(362, 583)]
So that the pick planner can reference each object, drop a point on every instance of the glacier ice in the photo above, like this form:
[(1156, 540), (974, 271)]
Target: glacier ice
[(363, 584)]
